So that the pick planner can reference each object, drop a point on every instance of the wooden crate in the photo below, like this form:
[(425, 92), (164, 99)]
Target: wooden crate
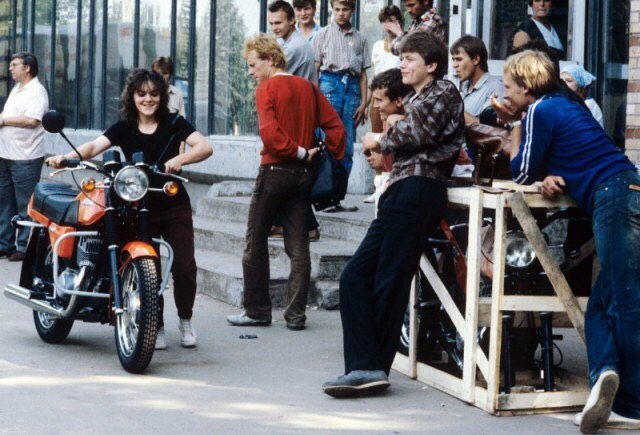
[(481, 374)]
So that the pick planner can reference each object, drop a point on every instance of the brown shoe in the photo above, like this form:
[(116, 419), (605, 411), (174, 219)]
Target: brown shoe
[(16, 256), (314, 235), (276, 232)]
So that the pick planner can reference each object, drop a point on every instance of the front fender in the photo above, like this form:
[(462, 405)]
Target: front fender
[(133, 250)]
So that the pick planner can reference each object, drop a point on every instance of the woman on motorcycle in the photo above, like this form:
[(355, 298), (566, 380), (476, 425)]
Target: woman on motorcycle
[(147, 126)]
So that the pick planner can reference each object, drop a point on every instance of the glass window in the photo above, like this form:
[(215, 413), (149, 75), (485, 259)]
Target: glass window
[(234, 110), (181, 62), (155, 31), (86, 52), (65, 60), (119, 54), (200, 116), (508, 15), (6, 30), (42, 48), (369, 25), (98, 66)]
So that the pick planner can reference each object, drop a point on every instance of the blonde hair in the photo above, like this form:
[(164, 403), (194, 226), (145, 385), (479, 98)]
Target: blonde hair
[(534, 71), (267, 48)]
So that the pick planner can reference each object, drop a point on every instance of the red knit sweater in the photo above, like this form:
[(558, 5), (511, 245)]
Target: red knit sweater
[(287, 118)]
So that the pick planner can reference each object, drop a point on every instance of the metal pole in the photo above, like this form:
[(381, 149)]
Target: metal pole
[(52, 73), (76, 90), (136, 33), (92, 58), (192, 59), (212, 68)]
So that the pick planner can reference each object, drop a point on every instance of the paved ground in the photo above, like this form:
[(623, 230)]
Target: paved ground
[(226, 385)]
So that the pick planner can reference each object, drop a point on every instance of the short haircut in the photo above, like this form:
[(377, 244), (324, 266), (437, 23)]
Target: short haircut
[(392, 11), (391, 80), (534, 71), (299, 4), (540, 45), (429, 47), (28, 59), (267, 48), (281, 5), (474, 47), (164, 64), (348, 3)]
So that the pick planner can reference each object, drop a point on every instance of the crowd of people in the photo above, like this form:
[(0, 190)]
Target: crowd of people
[(315, 81)]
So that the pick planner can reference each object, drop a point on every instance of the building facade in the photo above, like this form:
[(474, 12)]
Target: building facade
[(87, 47)]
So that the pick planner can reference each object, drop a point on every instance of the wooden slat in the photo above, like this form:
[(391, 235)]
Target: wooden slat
[(451, 308), (536, 303), (555, 275), (470, 332), (497, 291), (401, 364), (542, 400), (413, 328)]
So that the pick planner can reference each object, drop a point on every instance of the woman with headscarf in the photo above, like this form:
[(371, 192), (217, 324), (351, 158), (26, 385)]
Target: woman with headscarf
[(579, 81)]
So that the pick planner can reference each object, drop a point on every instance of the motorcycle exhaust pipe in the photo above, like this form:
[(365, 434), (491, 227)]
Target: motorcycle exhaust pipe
[(22, 295)]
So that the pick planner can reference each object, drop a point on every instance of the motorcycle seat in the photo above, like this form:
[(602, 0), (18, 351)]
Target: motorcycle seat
[(57, 202)]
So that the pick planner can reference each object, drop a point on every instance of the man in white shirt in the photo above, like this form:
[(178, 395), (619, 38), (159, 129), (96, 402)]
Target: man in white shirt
[(21, 150)]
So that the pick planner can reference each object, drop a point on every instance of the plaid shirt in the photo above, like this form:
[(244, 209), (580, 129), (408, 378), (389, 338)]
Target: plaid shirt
[(427, 141), (430, 21)]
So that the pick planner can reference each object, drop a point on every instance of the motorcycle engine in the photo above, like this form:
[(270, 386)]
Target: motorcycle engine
[(88, 252)]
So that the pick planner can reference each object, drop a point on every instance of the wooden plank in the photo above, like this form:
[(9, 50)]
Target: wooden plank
[(558, 281), (510, 185), (451, 308), (413, 327), (443, 381), (470, 332), (497, 292), (542, 400), (536, 303), (401, 364)]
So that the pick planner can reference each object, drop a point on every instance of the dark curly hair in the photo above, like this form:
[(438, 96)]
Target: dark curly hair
[(136, 80)]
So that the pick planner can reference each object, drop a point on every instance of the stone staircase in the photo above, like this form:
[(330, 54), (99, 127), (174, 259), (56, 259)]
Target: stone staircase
[(220, 224)]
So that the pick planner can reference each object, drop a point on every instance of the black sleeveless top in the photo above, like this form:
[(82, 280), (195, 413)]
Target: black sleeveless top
[(531, 29)]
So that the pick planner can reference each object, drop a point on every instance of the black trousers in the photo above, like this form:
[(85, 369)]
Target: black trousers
[(375, 285), (175, 226), (285, 189)]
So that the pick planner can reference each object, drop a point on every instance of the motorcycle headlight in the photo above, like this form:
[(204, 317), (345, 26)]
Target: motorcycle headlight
[(519, 252), (131, 183)]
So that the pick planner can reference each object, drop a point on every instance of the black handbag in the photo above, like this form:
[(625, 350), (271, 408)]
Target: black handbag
[(330, 177)]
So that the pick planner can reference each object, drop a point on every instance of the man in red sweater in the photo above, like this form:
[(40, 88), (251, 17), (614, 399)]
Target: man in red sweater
[(289, 109)]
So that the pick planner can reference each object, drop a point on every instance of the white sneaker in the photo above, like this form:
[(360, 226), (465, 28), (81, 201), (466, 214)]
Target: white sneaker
[(598, 408), (161, 341), (188, 337), (616, 421)]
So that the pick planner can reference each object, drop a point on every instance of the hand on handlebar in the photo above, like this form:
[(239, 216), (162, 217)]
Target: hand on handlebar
[(173, 166), (55, 162)]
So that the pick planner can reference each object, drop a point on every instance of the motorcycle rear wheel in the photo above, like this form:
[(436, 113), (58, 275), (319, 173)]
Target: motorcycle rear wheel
[(52, 331), (136, 328)]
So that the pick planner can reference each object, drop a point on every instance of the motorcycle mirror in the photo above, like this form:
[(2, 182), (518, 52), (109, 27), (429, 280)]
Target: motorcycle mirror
[(53, 121)]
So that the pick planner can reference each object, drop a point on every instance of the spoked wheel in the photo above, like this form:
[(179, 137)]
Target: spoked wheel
[(137, 326), (51, 330)]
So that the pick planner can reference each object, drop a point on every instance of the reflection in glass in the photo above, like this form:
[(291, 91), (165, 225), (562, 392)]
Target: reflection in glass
[(119, 54), (42, 45), (234, 109), (200, 116), (181, 62), (65, 56), (155, 31), (98, 68), (6, 26)]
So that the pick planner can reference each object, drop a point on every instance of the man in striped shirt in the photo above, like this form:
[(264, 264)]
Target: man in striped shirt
[(342, 58)]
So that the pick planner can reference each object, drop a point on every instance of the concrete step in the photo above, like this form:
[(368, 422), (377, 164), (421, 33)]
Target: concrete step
[(220, 276), (328, 256), (347, 226)]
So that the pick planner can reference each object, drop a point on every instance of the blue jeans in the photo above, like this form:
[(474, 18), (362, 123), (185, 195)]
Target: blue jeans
[(343, 92), (612, 320), (18, 179)]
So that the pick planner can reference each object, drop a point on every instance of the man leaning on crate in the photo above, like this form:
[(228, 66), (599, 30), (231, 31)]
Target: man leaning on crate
[(560, 140)]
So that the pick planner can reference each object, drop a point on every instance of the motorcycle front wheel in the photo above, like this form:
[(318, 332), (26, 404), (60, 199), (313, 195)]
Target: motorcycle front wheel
[(137, 326)]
